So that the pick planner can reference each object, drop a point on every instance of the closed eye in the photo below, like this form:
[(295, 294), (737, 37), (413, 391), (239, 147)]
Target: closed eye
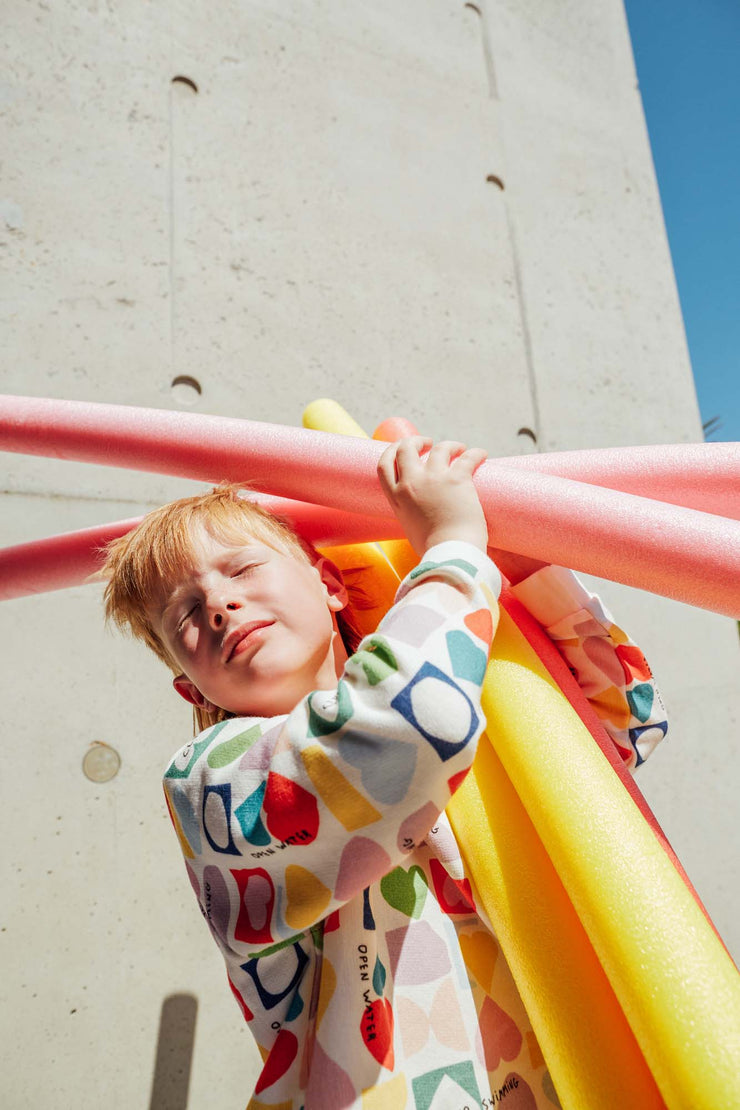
[(244, 569), (189, 613)]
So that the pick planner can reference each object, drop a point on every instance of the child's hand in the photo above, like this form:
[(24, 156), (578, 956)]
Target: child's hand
[(433, 494)]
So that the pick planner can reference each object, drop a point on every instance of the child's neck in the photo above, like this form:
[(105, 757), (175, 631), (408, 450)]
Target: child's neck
[(340, 652)]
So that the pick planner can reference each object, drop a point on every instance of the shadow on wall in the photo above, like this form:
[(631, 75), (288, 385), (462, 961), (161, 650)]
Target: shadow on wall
[(171, 1079)]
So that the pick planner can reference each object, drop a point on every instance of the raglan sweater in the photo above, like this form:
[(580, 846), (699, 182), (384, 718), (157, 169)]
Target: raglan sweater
[(322, 859)]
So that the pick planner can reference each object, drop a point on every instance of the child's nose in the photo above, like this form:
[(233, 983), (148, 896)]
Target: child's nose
[(217, 610)]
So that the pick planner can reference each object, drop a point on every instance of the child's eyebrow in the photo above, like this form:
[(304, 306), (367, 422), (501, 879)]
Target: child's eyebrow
[(250, 548), (238, 556), (234, 554)]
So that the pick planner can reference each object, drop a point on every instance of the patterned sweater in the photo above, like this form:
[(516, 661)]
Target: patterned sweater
[(324, 864)]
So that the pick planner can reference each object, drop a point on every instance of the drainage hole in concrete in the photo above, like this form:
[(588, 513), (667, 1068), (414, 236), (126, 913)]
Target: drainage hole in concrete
[(185, 390), (181, 80)]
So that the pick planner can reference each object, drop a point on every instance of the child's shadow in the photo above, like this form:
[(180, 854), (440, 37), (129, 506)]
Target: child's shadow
[(171, 1079)]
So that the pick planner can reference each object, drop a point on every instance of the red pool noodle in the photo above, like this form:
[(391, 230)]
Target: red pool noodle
[(682, 553)]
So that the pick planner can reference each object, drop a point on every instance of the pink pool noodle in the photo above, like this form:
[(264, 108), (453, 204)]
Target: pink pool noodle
[(703, 476), (69, 559), (56, 561), (682, 553)]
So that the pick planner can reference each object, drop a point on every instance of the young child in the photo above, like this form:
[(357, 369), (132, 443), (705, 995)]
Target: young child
[(311, 811)]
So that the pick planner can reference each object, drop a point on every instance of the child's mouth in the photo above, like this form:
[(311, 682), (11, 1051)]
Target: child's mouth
[(241, 639)]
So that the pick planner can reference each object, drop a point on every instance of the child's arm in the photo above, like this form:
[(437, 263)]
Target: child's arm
[(288, 819), (608, 666), (610, 669)]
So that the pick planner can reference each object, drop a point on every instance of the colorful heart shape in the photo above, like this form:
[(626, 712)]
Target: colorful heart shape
[(500, 1036), (480, 624), (634, 663), (641, 699), (376, 659), (453, 895), (282, 1055), (376, 1028), (291, 813), (405, 890)]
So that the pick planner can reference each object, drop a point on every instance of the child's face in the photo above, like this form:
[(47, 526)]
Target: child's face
[(252, 628)]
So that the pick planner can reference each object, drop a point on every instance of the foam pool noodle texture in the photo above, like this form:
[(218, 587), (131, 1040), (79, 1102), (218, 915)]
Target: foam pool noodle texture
[(685, 553), (677, 986)]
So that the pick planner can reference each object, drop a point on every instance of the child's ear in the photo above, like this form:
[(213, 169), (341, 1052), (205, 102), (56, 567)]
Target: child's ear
[(190, 692), (331, 576)]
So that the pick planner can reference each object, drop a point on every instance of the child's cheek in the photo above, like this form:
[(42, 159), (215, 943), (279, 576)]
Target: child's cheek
[(189, 643)]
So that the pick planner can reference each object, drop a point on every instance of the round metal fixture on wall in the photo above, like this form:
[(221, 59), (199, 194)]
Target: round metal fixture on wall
[(101, 763)]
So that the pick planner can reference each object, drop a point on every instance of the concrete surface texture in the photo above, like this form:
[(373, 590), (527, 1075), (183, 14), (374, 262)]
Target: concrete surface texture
[(436, 209)]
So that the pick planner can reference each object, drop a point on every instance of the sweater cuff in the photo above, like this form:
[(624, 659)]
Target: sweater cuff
[(551, 594), (456, 560)]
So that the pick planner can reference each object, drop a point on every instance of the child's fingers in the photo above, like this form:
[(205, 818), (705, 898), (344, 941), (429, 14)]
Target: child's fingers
[(443, 453), (400, 458), (472, 458), (402, 461), (408, 454), (450, 454), (387, 468)]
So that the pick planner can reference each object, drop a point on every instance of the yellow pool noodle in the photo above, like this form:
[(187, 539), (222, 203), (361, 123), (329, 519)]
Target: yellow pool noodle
[(325, 415), (591, 1052), (677, 986)]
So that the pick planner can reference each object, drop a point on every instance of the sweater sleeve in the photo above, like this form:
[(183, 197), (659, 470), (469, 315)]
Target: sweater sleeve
[(610, 669), (283, 820)]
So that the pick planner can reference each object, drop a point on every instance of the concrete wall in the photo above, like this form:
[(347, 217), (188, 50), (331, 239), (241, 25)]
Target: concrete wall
[(416, 208)]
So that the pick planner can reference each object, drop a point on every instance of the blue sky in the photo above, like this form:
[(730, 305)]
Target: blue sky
[(687, 54)]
